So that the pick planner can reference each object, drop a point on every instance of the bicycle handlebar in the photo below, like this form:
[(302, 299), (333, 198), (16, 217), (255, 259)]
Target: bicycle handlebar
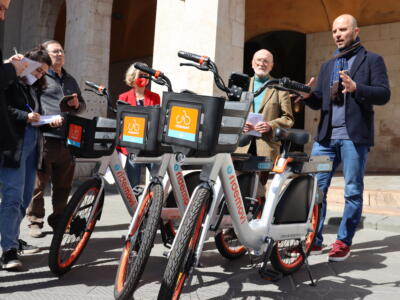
[(148, 70), (193, 57), (99, 88), (159, 77), (101, 91), (204, 63), (294, 85)]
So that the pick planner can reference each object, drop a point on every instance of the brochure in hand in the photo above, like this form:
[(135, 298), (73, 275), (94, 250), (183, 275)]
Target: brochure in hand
[(254, 118)]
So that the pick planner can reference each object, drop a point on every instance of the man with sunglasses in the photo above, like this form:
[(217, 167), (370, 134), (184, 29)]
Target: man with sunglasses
[(57, 165)]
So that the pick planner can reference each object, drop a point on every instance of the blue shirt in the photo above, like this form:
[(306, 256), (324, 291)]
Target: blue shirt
[(338, 123), (258, 82)]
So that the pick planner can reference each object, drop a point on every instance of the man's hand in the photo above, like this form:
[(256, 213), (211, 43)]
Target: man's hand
[(33, 117), (16, 61), (248, 127), (263, 127), (57, 123), (297, 99), (349, 85), (74, 102)]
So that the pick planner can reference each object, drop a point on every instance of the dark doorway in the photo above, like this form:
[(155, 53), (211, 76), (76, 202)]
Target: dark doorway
[(289, 50)]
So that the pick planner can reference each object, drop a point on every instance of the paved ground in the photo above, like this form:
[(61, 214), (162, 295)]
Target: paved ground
[(372, 271)]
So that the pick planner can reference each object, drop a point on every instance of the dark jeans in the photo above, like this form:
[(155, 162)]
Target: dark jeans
[(58, 168), (354, 158), (133, 171)]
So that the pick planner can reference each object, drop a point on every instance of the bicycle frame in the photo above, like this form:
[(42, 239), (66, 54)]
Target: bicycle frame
[(165, 164), (251, 234)]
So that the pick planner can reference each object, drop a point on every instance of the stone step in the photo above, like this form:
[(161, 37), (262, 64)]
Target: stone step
[(381, 194)]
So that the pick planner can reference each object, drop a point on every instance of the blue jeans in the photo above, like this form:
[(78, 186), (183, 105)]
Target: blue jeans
[(16, 188), (354, 158)]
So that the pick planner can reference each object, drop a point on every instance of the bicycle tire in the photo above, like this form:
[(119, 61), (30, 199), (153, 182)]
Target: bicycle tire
[(181, 257), (285, 256), (70, 237), (136, 251), (226, 241)]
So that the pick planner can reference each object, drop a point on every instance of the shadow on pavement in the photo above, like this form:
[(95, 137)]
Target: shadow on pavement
[(332, 279)]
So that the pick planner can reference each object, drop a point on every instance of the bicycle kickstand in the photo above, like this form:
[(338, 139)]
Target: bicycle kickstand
[(265, 273), (303, 253)]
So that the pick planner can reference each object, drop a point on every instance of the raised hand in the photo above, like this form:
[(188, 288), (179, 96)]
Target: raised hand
[(349, 85)]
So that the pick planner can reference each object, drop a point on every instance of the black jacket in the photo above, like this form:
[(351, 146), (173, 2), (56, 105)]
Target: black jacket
[(50, 98), (7, 136), (369, 73), (18, 96)]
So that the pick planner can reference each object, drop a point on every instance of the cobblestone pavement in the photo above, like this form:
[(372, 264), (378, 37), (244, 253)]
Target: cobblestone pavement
[(372, 271)]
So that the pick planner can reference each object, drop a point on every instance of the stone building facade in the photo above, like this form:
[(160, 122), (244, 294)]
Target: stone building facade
[(102, 38)]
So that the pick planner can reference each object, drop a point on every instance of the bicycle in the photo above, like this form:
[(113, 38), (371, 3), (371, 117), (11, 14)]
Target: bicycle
[(138, 242), (285, 231), (94, 141)]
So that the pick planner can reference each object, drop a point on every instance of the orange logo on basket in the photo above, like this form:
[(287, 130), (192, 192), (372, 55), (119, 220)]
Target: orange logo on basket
[(75, 133), (184, 119), (134, 127)]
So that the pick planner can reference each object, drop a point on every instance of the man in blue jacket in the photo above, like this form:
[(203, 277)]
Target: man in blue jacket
[(348, 86)]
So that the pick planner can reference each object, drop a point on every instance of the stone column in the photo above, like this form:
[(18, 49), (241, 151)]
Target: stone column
[(87, 46), (214, 28)]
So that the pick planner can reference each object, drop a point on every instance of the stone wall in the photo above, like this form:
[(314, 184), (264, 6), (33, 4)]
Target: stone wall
[(385, 40), (30, 23)]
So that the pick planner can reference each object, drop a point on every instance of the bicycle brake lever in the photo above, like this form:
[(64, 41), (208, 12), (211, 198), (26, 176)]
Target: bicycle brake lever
[(158, 81), (292, 92), (200, 67)]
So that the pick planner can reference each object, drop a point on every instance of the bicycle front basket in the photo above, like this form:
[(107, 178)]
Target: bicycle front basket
[(192, 122), (138, 128), (90, 138)]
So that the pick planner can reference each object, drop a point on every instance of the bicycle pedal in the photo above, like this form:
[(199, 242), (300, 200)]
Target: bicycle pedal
[(271, 275), (166, 253)]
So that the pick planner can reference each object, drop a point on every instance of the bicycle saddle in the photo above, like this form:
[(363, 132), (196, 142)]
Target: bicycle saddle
[(297, 136), (244, 140)]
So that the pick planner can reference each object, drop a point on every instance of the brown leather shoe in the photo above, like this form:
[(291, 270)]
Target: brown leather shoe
[(35, 230)]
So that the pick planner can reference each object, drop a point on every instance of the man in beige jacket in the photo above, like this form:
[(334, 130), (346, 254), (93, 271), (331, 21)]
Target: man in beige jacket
[(275, 107)]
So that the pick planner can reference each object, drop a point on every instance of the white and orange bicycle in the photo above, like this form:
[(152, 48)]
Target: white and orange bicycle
[(285, 231)]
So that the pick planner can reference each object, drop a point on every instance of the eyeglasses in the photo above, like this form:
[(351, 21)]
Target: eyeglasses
[(57, 51), (262, 61)]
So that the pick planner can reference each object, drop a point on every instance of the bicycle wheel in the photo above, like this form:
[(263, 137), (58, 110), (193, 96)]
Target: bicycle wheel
[(286, 257), (75, 227), (137, 248), (181, 257), (226, 241)]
